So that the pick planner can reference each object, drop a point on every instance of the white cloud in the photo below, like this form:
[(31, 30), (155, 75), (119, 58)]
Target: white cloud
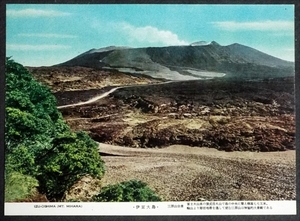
[(27, 47), (149, 34), (267, 25), (30, 12), (40, 35)]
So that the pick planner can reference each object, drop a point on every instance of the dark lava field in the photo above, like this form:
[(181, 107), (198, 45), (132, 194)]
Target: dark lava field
[(226, 114)]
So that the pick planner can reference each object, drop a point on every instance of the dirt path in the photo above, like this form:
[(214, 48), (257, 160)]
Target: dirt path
[(101, 96), (91, 100), (181, 173)]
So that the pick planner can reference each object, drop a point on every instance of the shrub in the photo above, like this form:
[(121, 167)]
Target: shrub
[(74, 156), (128, 191), (38, 143)]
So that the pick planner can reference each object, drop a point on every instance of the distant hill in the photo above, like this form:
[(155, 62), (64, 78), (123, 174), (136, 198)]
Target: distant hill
[(199, 60)]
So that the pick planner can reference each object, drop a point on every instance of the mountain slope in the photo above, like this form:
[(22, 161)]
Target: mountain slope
[(196, 61), (255, 56)]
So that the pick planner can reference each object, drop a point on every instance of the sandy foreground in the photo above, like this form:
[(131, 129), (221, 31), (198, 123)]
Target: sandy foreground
[(182, 173)]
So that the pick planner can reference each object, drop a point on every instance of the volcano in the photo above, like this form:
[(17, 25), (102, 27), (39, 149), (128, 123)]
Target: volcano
[(199, 60)]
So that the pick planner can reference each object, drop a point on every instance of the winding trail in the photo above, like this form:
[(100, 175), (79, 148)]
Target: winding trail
[(108, 93), (91, 100)]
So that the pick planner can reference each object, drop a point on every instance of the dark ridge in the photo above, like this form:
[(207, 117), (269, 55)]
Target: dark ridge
[(235, 60)]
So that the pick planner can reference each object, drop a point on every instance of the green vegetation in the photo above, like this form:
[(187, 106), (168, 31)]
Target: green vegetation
[(19, 186), (129, 191), (42, 154), (38, 143)]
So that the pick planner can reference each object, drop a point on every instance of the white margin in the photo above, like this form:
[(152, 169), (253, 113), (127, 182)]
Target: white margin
[(152, 208)]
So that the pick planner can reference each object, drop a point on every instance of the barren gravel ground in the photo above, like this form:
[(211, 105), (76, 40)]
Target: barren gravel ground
[(182, 173)]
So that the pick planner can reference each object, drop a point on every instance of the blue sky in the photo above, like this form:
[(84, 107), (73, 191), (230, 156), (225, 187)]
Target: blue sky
[(45, 34)]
